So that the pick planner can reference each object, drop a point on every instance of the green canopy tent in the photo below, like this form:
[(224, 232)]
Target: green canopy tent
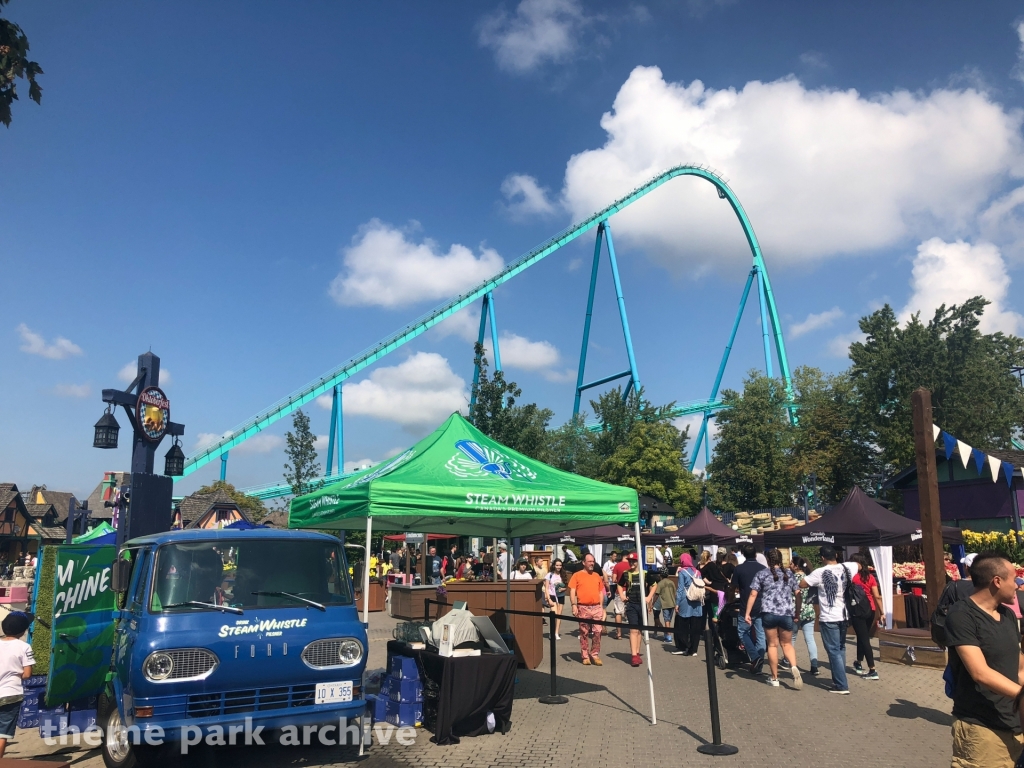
[(458, 481)]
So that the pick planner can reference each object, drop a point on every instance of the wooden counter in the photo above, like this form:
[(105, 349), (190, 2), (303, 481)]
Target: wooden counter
[(483, 598), (377, 594)]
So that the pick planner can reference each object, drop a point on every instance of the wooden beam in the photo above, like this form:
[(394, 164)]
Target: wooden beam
[(928, 497)]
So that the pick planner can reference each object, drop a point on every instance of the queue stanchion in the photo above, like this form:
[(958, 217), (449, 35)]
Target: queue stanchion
[(716, 747), (553, 697)]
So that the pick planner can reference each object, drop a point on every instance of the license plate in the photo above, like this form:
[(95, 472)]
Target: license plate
[(331, 693)]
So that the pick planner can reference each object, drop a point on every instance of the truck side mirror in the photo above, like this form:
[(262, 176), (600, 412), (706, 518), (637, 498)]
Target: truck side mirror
[(120, 575)]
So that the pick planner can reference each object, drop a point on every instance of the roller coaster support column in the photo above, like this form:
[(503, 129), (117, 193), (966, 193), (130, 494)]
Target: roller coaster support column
[(224, 466), (604, 231), (765, 332), (702, 436), (486, 316), (337, 434)]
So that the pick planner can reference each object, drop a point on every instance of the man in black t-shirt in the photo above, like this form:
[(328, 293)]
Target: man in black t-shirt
[(987, 666), (751, 634)]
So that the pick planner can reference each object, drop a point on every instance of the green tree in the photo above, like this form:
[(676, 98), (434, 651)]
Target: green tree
[(14, 64), (252, 506), (302, 463), (975, 395), (829, 439), (570, 448), (750, 467), (652, 460), (522, 428)]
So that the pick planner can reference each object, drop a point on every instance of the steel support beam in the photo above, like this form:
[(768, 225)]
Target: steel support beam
[(586, 323), (762, 301)]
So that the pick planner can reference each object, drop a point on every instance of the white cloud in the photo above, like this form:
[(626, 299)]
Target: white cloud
[(257, 444), (693, 421), (951, 273), (1018, 71), (820, 172), (525, 197), (539, 31), (353, 466), (815, 321), (34, 344), (130, 370), (465, 323), (383, 268), (814, 60), (519, 352), (418, 393), (72, 390), (840, 345), (322, 441)]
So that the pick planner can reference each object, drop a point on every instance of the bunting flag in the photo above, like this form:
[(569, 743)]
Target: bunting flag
[(935, 431), (965, 452), (1008, 471), (979, 459), (949, 443), (993, 466)]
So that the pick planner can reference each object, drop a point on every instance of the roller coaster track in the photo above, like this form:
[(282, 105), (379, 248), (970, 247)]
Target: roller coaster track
[(325, 383)]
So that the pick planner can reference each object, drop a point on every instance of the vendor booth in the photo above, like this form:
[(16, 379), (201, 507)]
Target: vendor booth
[(860, 521)]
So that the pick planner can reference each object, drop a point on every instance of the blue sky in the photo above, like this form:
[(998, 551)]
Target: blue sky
[(259, 191)]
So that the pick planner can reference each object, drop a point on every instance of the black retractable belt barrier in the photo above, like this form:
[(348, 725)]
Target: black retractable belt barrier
[(716, 747), (553, 697)]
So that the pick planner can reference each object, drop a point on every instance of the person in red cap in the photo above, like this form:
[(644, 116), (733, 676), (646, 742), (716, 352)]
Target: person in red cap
[(630, 594)]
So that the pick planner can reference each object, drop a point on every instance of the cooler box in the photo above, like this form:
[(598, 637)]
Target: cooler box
[(402, 714), (385, 687), (34, 688), (380, 709), (53, 722)]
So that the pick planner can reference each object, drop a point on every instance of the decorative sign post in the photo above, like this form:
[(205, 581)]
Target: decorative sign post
[(149, 411)]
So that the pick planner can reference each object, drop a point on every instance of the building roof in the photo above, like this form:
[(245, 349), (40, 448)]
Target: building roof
[(96, 509), (653, 506), (193, 508), (61, 500), (8, 491), (39, 511), (278, 518)]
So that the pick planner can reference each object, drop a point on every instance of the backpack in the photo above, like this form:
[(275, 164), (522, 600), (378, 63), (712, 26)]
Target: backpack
[(857, 604), (695, 591), (954, 592)]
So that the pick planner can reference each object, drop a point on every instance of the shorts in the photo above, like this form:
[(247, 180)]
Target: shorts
[(775, 621), (634, 614), (9, 719), (616, 606)]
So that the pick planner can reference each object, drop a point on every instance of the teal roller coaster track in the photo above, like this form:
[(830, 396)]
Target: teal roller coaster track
[(331, 382)]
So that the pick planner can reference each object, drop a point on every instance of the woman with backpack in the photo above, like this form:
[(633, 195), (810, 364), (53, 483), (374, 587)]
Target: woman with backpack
[(777, 587), (805, 614), (864, 625), (689, 608)]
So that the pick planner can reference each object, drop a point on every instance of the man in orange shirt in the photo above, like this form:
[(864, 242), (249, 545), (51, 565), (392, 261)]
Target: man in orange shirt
[(586, 591)]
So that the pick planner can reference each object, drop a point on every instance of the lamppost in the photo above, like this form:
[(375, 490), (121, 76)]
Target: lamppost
[(149, 412)]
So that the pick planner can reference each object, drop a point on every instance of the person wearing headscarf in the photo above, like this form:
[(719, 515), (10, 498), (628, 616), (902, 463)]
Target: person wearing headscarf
[(689, 613)]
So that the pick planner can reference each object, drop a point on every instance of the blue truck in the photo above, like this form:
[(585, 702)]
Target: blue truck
[(222, 633)]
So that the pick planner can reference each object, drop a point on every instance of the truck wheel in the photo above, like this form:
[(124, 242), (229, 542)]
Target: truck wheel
[(117, 748)]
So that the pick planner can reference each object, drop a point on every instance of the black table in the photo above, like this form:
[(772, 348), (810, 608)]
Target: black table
[(468, 687), (916, 608)]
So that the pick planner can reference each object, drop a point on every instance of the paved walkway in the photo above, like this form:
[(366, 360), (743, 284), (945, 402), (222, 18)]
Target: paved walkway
[(901, 720)]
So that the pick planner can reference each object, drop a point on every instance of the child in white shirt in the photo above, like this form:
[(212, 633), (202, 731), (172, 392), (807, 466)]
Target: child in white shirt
[(16, 662)]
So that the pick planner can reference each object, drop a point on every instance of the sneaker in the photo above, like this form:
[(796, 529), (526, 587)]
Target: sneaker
[(798, 680), (667, 639), (586, 662), (860, 671), (784, 664), (872, 675), (814, 670), (858, 668), (839, 691), (596, 661), (557, 636), (635, 661), (773, 682), (693, 653), (757, 666), (678, 653)]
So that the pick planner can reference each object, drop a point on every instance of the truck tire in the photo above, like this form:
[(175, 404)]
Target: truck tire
[(118, 751)]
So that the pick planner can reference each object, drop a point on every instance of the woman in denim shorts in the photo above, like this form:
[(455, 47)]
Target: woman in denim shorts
[(777, 587)]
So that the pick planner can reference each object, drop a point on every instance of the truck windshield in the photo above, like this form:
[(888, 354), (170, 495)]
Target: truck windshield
[(228, 573)]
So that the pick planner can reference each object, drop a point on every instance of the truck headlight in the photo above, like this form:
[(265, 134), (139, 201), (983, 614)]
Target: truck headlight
[(350, 651), (158, 666)]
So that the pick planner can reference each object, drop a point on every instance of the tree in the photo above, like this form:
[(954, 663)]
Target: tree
[(570, 448), (975, 395), (829, 439), (750, 468), (252, 506), (652, 461), (14, 64), (522, 428), (301, 452), (619, 416)]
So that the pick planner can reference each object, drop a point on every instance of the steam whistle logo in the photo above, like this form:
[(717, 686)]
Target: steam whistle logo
[(475, 460)]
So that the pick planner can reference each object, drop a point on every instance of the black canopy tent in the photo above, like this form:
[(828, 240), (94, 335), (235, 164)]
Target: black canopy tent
[(704, 528), (602, 534), (857, 521)]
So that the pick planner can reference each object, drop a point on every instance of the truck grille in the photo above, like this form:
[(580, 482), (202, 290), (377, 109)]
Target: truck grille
[(323, 653), (251, 700), (191, 663)]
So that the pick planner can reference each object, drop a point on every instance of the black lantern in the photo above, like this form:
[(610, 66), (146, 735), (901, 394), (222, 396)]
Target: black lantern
[(106, 431), (174, 461)]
